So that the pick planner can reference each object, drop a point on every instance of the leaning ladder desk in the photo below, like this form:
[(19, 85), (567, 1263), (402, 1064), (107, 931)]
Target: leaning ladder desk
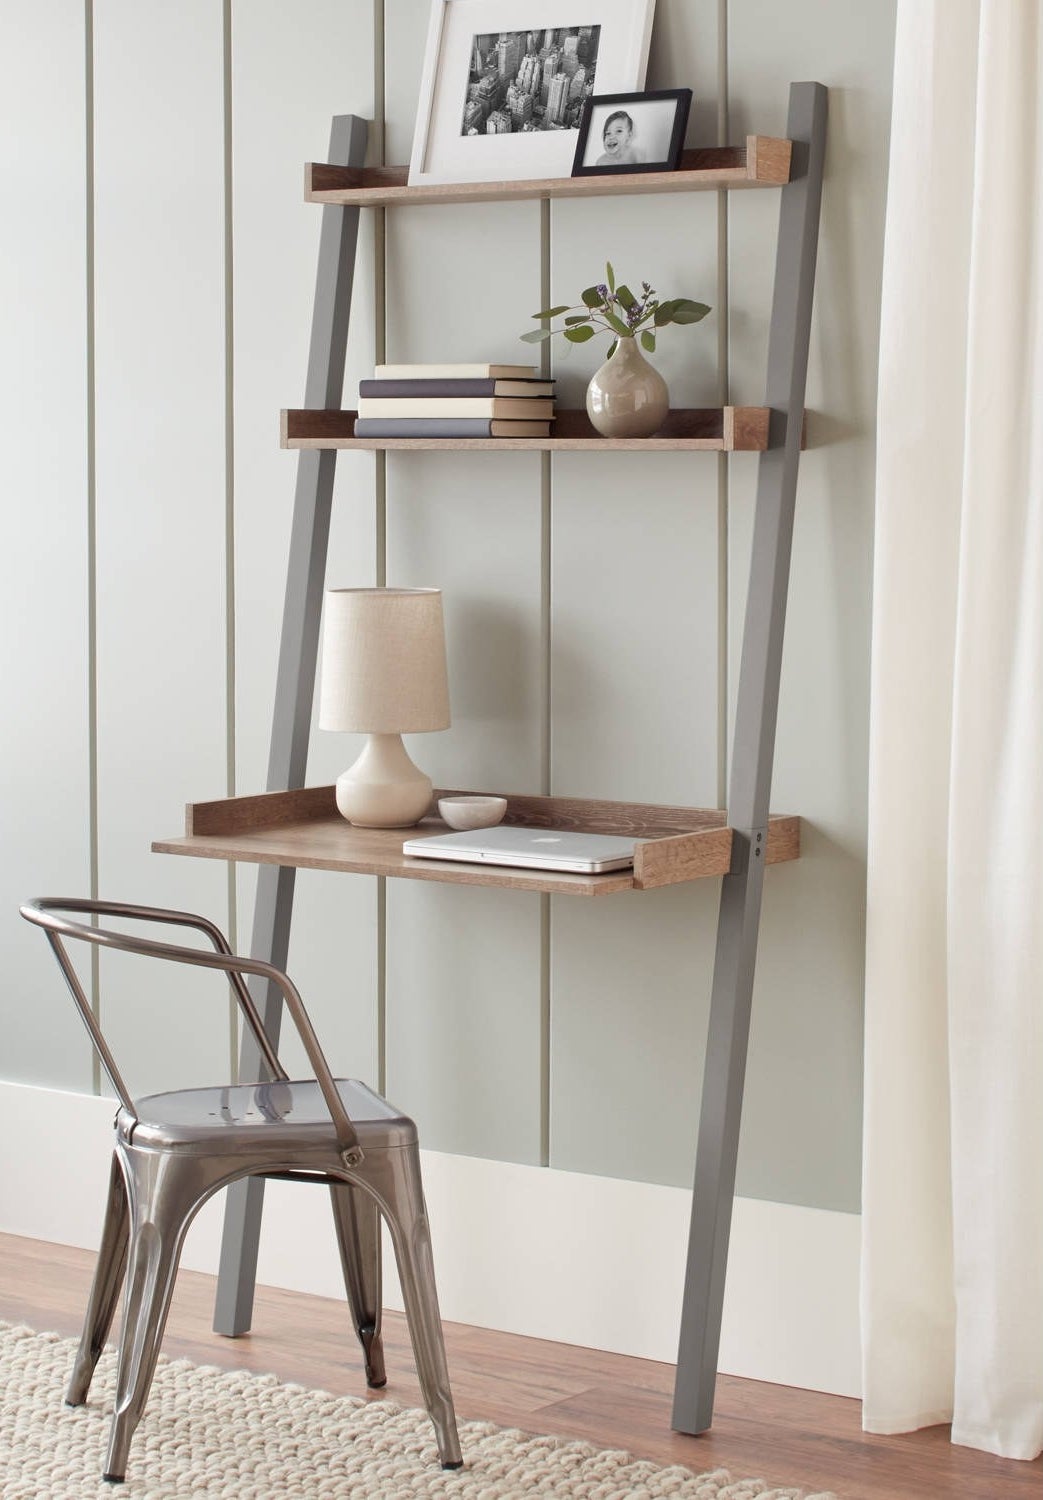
[(293, 826)]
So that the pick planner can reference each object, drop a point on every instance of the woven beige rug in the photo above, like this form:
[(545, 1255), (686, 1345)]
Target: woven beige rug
[(227, 1435)]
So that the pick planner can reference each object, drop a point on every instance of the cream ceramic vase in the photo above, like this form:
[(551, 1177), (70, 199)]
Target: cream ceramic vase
[(627, 398)]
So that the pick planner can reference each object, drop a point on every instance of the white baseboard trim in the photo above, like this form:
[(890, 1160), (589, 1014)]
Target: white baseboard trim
[(557, 1255)]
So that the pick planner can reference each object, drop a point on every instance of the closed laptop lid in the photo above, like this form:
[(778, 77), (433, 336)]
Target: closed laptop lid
[(541, 848)]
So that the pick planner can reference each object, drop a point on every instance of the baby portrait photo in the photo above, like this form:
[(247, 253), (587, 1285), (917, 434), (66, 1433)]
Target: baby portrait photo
[(632, 132)]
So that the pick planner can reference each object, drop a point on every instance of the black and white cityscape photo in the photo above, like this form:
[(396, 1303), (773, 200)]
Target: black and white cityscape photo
[(530, 80)]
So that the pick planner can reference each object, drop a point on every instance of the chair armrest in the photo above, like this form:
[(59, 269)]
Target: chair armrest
[(41, 912)]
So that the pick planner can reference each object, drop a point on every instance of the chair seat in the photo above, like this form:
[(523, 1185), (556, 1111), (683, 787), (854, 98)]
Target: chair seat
[(262, 1116)]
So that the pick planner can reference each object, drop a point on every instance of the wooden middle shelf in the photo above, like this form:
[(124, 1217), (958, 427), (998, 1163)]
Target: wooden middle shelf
[(764, 161), (303, 829), (715, 429)]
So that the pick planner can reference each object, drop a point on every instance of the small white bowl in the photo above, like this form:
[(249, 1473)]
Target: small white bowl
[(463, 813)]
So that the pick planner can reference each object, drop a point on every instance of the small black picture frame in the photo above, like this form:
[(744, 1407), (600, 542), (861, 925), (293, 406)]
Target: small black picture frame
[(620, 133)]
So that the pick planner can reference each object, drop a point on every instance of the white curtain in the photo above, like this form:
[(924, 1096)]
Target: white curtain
[(952, 1280)]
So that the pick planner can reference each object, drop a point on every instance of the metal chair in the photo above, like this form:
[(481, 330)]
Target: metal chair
[(172, 1151)]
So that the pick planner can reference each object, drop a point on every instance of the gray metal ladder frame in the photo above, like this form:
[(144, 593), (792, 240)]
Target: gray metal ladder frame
[(752, 750)]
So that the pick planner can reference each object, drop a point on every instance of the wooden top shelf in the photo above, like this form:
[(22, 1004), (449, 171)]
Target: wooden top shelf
[(720, 429), (764, 161), (303, 829)]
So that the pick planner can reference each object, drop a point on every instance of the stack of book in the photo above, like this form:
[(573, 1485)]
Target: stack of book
[(455, 401)]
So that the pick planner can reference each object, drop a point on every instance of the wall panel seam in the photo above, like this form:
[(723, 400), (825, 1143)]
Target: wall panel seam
[(723, 383), (546, 699), (92, 510), (380, 478), (230, 516)]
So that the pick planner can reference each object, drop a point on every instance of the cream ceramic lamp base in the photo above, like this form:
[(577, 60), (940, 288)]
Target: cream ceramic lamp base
[(383, 789)]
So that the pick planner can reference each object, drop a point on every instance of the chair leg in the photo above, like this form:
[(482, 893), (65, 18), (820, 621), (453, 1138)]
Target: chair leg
[(357, 1219), (105, 1289), (165, 1192), (396, 1178)]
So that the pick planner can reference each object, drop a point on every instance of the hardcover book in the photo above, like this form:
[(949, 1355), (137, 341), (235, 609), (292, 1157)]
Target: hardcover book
[(447, 427), (456, 372), (523, 407), (491, 387)]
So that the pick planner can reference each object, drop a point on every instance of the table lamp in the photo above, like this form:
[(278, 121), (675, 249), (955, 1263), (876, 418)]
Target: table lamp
[(383, 674)]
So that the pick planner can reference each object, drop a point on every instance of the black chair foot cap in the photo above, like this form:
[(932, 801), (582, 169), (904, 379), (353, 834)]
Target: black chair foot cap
[(377, 1385), (113, 1478), (458, 1465)]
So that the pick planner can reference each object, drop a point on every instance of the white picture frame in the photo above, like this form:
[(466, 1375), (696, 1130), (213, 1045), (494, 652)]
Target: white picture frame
[(444, 152)]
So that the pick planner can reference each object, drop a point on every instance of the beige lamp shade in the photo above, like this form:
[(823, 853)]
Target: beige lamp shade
[(383, 661)]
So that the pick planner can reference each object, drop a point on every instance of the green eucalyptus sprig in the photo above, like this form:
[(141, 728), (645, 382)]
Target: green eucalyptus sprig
[(608, 308)]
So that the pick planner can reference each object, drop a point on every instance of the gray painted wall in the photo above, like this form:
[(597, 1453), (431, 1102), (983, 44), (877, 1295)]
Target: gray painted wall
[(152, 153)]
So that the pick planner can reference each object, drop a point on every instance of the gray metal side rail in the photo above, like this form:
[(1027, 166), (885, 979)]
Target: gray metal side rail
[(753, 751), (295, 686)]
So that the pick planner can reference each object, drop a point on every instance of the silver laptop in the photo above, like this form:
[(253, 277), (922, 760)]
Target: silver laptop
[(529, 848)]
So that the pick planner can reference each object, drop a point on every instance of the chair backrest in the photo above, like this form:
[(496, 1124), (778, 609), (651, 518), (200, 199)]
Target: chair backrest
[(42, 912)]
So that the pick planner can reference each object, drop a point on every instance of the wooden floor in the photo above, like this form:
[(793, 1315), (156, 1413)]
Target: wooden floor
[(787, 1436)]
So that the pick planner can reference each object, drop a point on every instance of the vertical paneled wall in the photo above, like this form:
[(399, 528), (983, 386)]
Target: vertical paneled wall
[(635, 544), (162, 293), (161, 615), (464, 974), (45, 524), (801, 1128), (290, 73)]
